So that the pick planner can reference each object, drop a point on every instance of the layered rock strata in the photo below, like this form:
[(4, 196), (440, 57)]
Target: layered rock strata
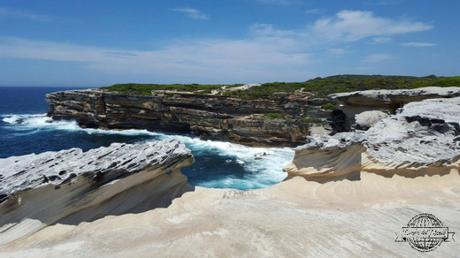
[(423, 138), (210, 116), (326, 158), (283, 119), (72, 186)]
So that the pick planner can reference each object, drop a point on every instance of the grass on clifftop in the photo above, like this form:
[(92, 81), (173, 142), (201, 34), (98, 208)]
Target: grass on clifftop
[(345, 83), (146, 89), (321, 87)]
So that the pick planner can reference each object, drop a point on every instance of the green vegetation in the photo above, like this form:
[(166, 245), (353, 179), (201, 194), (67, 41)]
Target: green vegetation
[(345, 83), (329, 106), (272, 116), (310, 120), (321, 87), (146, 89)]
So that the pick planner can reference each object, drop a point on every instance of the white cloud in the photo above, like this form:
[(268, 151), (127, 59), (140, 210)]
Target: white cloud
[(200, 60), (192, 13), (267, 53), (355, 25), (418, 44), (345, 27), (378, 58), (6, 12), (381, 40)]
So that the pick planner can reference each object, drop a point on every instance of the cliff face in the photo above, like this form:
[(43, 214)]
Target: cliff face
[(283, 119), (206, 115), (72, 186)]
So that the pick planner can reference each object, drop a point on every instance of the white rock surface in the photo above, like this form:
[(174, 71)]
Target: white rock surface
[(72, 186), (367, 119), (445, 109), (107, 163), (423, 138), (381, 94), (295, 218), (402, 96), (326, 158)]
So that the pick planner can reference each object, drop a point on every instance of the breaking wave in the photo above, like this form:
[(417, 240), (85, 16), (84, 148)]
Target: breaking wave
[(24, 122), (217, 164)]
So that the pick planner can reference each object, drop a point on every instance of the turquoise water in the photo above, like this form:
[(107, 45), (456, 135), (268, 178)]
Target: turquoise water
[(24, 129)]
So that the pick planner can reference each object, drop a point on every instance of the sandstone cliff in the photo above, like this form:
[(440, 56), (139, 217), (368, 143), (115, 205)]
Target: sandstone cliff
[(239, 120), (72, 186), (282, 119)]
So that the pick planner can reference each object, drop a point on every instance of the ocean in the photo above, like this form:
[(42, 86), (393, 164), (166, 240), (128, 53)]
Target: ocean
[(25, 129)]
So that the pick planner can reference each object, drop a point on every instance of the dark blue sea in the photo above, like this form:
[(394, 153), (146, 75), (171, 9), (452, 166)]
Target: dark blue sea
[(25, 129)]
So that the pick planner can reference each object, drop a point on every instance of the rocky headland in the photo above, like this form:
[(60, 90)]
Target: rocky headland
[(348, 193), (276, 121), (237, 114)]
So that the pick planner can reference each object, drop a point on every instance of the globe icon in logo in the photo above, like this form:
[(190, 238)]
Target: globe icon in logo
[(425, 242), (425, 232)]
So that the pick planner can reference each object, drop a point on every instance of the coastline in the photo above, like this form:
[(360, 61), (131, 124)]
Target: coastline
[(346, 193)]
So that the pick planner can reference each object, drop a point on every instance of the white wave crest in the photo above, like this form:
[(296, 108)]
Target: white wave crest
[(21, 122), (264, 165)]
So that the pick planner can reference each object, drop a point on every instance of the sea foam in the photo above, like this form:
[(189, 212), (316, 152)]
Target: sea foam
[(262, 166)]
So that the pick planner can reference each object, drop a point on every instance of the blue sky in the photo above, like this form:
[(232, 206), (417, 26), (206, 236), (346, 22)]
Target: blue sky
[(94, 43)]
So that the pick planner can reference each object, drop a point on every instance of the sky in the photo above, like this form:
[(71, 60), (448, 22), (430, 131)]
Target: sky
[(96, 43)]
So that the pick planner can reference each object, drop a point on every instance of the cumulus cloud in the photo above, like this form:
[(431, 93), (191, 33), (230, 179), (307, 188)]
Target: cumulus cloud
[(418, 44), (6, 12), (355, 25), (346, 27), (192, 13)]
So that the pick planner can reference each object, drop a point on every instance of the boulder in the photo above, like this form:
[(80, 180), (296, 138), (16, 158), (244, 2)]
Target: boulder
[(367, 119)]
